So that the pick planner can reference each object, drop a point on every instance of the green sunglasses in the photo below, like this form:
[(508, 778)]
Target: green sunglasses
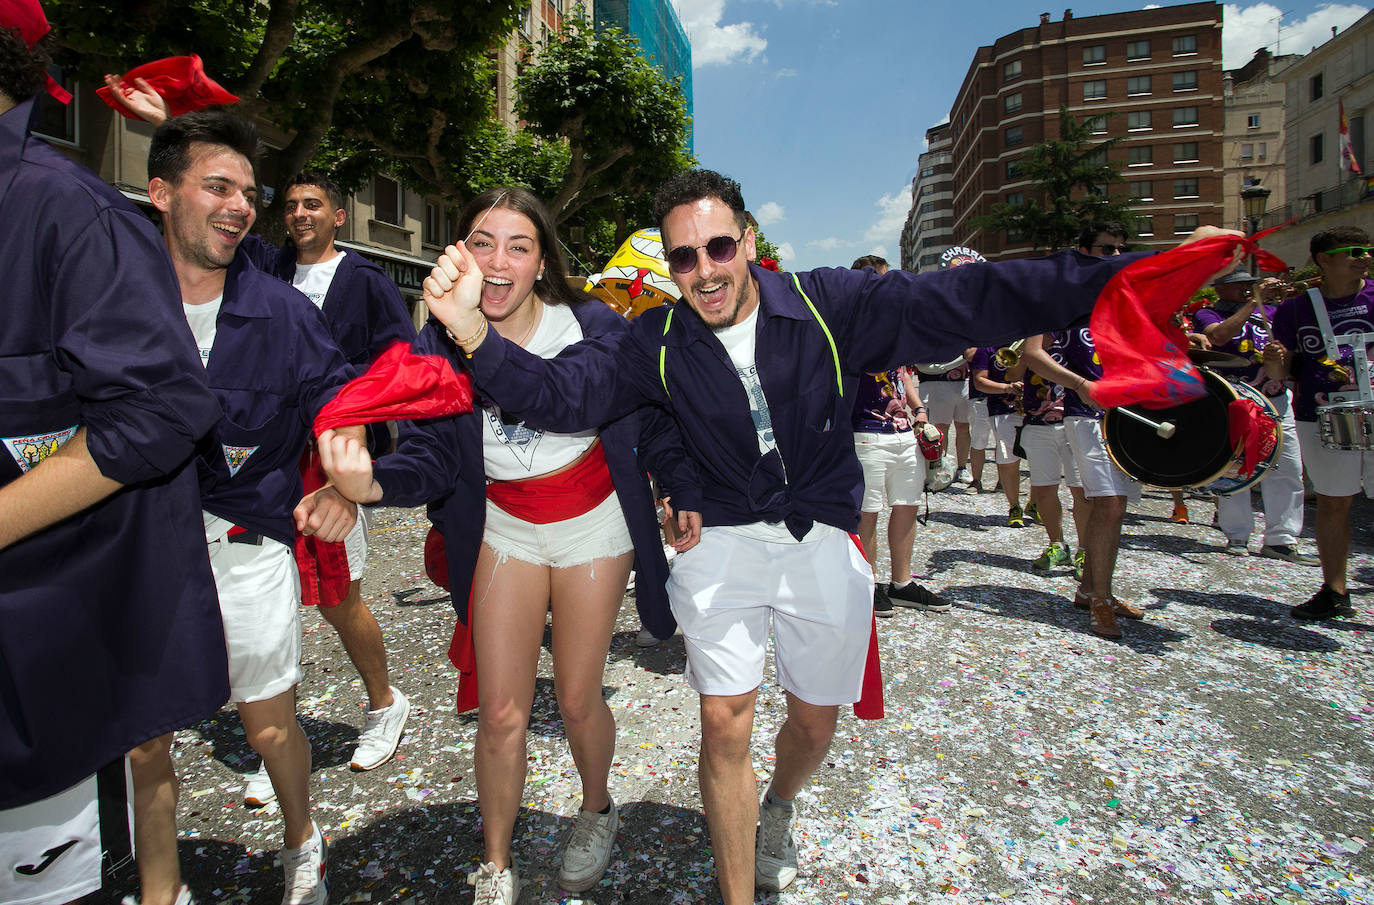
[(1356, 251)]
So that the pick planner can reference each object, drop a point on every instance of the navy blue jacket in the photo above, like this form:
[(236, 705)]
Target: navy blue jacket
[(363, 307), (273, 366), (110, 632), (877, 322), (440, 462)]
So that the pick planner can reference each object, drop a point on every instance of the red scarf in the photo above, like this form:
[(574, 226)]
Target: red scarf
[(567, 494)]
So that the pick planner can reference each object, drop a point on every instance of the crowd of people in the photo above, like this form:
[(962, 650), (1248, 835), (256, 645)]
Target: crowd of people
[(165, 509)]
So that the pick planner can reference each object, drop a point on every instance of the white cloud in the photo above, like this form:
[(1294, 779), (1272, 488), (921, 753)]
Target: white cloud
[(786, 74), (891, 217), (714, 44), (786, 252), (1249, 28), (879, 250), (829, 243), (769, 213)]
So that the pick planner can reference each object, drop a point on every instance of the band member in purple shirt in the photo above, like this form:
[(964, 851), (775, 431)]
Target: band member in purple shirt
[(1298, 350), (1239, 323)]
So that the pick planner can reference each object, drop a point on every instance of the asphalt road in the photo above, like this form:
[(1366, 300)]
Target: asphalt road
[(1220, 752)]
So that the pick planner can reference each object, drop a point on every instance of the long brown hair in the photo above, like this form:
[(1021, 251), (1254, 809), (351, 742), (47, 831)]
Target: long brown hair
[(554, 288)]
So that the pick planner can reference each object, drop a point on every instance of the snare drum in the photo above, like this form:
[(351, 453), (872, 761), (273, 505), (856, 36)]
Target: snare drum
[(1200, 453), (1346, 425)]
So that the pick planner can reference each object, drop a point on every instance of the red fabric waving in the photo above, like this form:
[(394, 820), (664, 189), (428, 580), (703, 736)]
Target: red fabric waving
[(1253, 430), (181, 81), (1144, 353), (323, 566), (399, 385), (26, 18), (870, 703)]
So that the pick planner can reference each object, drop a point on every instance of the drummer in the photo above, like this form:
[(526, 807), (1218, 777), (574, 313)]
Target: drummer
[(1298, 349), (1238, 322)]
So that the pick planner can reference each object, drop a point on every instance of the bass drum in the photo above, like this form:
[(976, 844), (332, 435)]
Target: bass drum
[(1199, 454)]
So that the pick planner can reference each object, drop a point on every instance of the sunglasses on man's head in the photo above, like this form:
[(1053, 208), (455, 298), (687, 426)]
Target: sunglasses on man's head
[(683, 258), (1355, 251)]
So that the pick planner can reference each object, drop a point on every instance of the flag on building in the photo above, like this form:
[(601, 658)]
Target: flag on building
[(1348, 161)]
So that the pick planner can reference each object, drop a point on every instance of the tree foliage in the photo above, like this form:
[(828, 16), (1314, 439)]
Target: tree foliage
[(362, 86), (1073, 183), (624, 121)]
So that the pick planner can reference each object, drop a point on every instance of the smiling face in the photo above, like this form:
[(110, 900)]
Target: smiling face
[(506, 247), (206, 214), (311, 219), (722, 295)]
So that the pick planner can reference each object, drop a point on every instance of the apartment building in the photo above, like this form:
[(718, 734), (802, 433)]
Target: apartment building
[(1254, 152), (1150, 78), (929, 227)]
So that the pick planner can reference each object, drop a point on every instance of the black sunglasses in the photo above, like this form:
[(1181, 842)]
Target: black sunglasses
[(722, 249), (1111, 249), (1356, 251)]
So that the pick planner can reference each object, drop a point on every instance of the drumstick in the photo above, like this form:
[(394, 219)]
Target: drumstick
[(1165, 430)]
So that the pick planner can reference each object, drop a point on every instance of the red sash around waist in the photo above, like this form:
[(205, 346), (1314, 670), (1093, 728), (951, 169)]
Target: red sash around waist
[(566, 494)]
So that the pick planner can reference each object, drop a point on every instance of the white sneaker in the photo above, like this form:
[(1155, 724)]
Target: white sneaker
[(775, 854), (495, 886), (184, 897), (589, 850), (963, 476), (259, 791), (646, 638), (381, 733), (304, 868)]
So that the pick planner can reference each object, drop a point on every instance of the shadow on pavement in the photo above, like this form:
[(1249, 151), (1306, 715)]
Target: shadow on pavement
[(331, 743), (404, 598), (1146, 637)]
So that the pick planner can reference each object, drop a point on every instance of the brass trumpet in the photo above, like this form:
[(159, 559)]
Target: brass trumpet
[(1009, 357)]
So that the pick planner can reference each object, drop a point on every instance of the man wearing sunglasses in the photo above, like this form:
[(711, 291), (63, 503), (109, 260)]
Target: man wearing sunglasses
[(759, 370), (1298, 349)]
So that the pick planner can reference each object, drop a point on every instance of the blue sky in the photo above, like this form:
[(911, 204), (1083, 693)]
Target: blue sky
[(820, 107)]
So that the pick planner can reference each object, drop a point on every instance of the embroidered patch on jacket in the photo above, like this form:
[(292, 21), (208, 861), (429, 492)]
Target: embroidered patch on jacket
[(235, 456), (29, 451)]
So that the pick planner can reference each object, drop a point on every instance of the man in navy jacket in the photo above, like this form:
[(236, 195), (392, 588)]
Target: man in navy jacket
[(109, 623), (764, 410)]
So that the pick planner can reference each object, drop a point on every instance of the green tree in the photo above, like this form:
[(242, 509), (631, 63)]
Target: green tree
[(362, 86), (625, 124), (1073, 179)]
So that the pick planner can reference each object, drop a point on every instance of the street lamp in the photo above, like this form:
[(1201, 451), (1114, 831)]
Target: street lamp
[(1254, 198)]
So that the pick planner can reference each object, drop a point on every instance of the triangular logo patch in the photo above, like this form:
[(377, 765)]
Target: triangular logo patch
[(29, 451), (235, 456)]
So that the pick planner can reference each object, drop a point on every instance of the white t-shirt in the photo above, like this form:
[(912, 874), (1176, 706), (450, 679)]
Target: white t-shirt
[(739, 342), (514, 451), (315, 279), (202, 319)]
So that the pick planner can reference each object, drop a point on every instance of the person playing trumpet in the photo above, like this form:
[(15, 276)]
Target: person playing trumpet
[(997, 375)]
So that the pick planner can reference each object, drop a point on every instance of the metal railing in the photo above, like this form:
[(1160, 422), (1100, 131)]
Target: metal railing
[(1348, 194)]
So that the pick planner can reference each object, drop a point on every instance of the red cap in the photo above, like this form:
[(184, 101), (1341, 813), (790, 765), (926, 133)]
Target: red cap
[(25, 17)]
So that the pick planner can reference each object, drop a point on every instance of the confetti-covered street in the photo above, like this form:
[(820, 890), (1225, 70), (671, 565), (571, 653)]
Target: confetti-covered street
[(1220, 752)]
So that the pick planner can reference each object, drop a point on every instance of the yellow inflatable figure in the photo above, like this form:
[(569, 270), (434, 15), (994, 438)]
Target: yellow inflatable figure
[(636, 277)]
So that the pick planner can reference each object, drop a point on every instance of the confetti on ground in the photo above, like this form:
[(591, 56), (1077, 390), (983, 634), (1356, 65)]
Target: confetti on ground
[(1219, 753)]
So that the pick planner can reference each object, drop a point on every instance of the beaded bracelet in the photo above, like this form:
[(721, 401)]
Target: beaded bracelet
[(474, 338)]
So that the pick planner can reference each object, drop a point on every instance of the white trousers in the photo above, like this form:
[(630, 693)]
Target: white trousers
[(1280, 488)]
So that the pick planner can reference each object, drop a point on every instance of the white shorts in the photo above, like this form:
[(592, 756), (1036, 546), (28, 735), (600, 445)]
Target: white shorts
[(817, 593), (355, 544), (1334, 472), (980, 429), (259, 601), (600, 533), (946, 401), (54, 850), (1004, 429), (1100, 475), (892, 468), (1048, 455)]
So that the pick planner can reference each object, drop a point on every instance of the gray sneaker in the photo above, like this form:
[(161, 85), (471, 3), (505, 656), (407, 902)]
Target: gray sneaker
[(589, 850), (775, 854)]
